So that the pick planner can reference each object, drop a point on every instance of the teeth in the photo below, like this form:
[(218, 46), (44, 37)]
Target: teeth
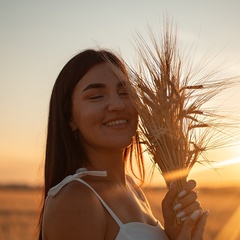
[(113, 123)]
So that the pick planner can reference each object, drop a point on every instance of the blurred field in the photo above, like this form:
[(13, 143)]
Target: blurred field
[(18, 213), (19, 207)]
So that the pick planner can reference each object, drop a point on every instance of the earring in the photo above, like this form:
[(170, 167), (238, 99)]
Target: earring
[(74, 130), (75, 134)]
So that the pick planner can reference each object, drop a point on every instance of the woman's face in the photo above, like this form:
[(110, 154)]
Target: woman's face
[(102, 111)]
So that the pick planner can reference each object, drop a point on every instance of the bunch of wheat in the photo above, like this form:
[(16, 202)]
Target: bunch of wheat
[(172, 99)]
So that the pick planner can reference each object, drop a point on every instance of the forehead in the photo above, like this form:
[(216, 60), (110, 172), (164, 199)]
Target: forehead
[(101, 73)]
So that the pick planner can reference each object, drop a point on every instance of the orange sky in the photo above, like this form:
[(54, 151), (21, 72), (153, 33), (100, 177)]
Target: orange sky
[(37, 39)]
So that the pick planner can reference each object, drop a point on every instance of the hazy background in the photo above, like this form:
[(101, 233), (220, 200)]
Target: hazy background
[(39, 37)]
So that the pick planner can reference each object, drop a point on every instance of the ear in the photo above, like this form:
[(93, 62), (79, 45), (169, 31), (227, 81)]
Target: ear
[(73, 126)]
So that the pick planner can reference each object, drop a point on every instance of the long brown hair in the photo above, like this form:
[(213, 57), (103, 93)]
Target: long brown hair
[(64, 155)]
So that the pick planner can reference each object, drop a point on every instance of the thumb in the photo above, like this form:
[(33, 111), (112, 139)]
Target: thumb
[(167, 206), (199, 229), (170, 196), (188, 226)]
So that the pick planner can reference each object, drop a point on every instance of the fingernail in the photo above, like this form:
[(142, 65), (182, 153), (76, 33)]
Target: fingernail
[(206, 212), (182, 193), (183, 219), (177, 206), (195, 215), (181, 214)]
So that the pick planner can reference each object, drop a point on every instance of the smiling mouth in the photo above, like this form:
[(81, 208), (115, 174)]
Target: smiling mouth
[(115, 123)]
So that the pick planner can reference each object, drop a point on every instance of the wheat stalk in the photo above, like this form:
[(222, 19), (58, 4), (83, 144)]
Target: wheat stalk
[(171, 99), (171, 96)]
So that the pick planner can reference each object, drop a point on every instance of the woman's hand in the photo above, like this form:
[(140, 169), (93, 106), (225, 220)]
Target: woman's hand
[(193, 227), (188, 211)]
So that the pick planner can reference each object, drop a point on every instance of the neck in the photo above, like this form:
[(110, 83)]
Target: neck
[(110, 161)]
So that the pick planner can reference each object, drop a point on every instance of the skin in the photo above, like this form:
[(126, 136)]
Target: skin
[(102, 110)]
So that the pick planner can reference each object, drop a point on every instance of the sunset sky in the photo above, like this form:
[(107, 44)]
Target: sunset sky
[(39, 37)]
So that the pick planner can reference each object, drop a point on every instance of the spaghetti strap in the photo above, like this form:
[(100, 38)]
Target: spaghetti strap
[(81, 172), (114, 216), (77, 177)]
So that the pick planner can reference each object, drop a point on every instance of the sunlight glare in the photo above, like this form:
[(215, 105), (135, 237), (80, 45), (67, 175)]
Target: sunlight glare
[(173, 175), (227, 162)]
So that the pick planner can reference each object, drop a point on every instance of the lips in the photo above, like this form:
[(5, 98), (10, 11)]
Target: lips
[(115, 122)]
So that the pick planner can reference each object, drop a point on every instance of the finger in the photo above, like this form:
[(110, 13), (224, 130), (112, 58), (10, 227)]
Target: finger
[(184, 212), (189, 186), (192, 220), (186, 200), (189, 225), (200, 226)]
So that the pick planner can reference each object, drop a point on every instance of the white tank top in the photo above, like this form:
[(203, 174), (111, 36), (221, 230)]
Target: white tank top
[(127, 231)]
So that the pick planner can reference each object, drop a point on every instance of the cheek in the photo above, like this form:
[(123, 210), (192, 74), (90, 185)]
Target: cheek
[(88, 117), (86, 127), (135, 117), (83, 119)]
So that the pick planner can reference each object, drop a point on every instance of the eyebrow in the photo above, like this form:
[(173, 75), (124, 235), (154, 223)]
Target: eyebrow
[(101, 85), (94, 85)]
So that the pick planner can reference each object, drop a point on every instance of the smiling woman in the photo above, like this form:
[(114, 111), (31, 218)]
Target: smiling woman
[(106, 110), (92, 134)]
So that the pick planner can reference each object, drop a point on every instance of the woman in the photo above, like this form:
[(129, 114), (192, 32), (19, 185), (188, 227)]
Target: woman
[(92, 134)]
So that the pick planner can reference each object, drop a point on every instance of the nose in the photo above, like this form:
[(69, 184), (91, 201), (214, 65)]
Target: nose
[(115, 103)]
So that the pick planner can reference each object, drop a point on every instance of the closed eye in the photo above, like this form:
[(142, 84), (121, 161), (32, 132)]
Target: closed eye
[(95, 97), (123, 92)]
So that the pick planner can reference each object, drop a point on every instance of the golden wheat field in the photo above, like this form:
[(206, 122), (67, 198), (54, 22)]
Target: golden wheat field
[(19, 209)]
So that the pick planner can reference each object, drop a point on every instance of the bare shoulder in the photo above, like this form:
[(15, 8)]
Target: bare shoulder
[(72, 213)]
